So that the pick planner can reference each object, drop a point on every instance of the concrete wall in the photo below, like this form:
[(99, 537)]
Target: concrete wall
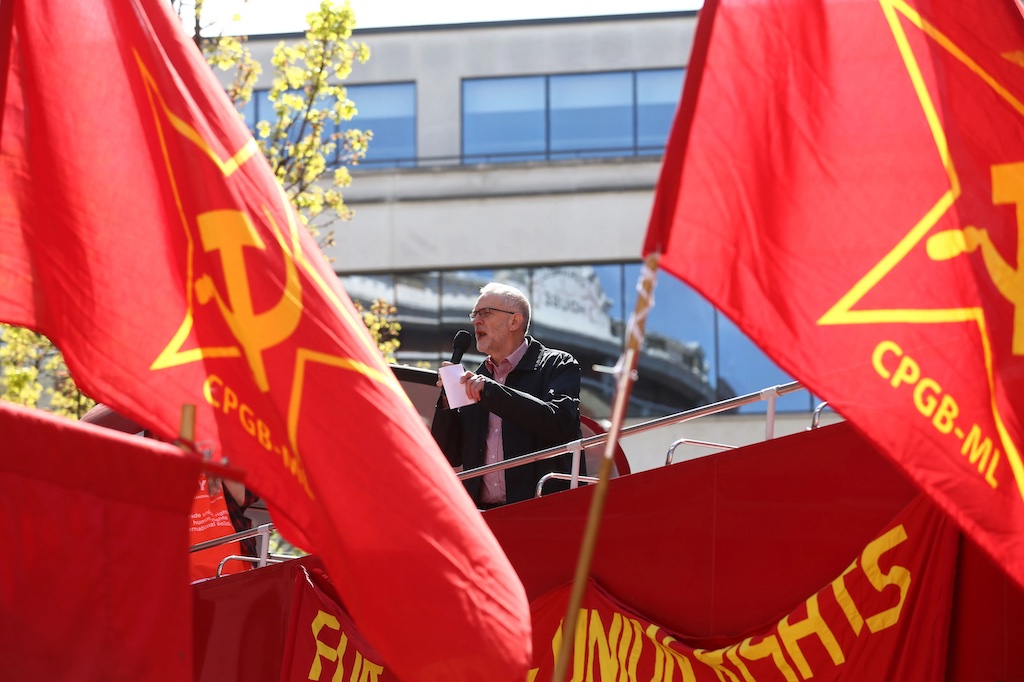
[(439, 214)]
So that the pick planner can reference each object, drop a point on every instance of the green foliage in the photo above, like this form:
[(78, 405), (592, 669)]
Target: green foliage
[(384, 328), (303, 140), (34, 374)]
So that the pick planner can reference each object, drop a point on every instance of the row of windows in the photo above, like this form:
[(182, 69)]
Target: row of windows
[(623, 113), (568, 116), (692, 355), (388, 109)]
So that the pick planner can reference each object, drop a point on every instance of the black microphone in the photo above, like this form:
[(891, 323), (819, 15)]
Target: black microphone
[(460, 345)]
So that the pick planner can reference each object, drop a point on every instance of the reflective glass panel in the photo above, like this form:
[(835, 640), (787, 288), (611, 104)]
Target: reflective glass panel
[(459, 291), (418, 303), (503, 119), (249, 114), (591, 115), (364, 289), (657, 95), (744, 368), (677, 361), (389, 110)]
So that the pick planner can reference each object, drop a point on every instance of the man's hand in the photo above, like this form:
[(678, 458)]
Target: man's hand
[(475, 384), (438, 382)]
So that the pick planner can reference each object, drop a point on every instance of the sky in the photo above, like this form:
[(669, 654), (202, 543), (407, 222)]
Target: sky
[(288, 16)]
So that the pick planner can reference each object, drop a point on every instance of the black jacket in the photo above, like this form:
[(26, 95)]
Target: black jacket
[(539, 406)]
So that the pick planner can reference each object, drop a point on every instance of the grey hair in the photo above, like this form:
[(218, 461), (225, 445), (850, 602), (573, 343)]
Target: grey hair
[(511, 298)]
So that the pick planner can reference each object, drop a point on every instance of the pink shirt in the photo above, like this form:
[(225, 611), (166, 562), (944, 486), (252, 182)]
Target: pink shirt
[(493, 491)]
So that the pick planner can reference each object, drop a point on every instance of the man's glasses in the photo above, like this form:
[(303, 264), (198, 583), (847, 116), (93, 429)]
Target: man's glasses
[(487, 312)]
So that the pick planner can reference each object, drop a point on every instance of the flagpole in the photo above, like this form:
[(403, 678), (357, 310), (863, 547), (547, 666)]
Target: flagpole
[(625, 372)]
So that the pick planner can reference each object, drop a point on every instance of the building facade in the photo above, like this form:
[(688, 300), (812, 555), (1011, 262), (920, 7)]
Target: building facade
[(528, 152)]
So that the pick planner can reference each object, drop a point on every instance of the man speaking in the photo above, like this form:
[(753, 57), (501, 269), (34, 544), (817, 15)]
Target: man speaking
[(525, 397)]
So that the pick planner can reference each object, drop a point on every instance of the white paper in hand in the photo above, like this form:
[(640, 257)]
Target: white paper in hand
[(453, 387)]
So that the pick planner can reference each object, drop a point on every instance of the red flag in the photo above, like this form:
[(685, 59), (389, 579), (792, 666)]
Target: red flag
[(95, 586), (845, 181), (143, 232)]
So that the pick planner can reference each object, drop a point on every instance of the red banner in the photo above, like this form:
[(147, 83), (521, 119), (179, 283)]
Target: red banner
[(145, 234), (95, 582), (886, 617), (323, 642), (845, 181)]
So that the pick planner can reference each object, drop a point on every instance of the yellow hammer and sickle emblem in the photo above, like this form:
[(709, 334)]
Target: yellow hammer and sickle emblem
[(1007, 188), (229, 233)]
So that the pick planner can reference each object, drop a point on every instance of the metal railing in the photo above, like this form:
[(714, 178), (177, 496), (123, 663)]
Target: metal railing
[(263, 558), (768, 394), (576, 448)]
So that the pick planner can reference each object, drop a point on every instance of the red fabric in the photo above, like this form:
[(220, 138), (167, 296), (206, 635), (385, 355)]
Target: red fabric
[(145, 235), (716, 549), (95, 584), (885, 618), (210, 520), (323, 642), (241, 622), (749, 532), (843, 181)]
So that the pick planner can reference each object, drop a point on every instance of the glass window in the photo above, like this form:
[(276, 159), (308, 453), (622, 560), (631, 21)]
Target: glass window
[(677, 360), (504, 119), (657, 96), (744, 369), (591, 115), (418, 309), (574, 310), (365, 289), (249, 114), (459, 291), (263, 110), (389, 110), (692, 354)]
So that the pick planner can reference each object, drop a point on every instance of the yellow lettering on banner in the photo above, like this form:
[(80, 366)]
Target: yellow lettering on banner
[(715, 660), (924, 396), (671, 658), (356, 667), (598, 643), (944, 420), (814, 624), (362, 671), (907, 372), (332, 654), (230, 400), (897, 575), (733, 656), (878, 356), (933, 404), (768, 646), (977, 452), (846, 601), (579, 648), (253, 425), (617, 649), (633, 661), (371, 672), (659, 655)]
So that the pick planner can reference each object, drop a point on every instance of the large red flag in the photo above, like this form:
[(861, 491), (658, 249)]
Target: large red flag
[(845, 181), (144, 233)]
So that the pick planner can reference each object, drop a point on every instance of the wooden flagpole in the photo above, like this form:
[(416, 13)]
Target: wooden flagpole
[(625, 372)]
